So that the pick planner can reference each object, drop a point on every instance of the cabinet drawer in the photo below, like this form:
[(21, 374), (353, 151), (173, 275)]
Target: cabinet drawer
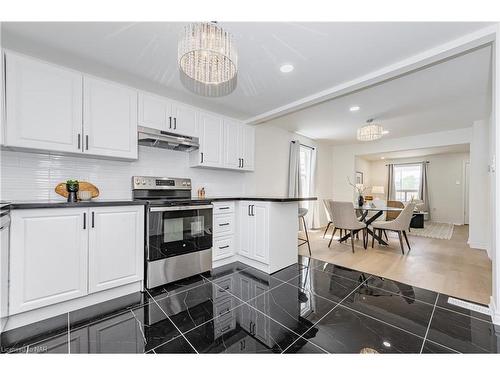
[(223, 247), (223, 225), (223, 308), (223, 286), (223, 208), (223, 326)]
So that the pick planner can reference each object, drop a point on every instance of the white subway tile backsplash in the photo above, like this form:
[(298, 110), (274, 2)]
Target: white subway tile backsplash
[(34, 176)]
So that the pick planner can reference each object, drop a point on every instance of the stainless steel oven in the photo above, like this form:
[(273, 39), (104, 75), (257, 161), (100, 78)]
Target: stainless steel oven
[(178, 230)]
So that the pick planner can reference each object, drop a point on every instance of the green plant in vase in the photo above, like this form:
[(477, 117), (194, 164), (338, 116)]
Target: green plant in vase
[(72, 187)]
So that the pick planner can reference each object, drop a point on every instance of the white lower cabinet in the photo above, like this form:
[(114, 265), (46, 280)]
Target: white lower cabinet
[(115, 247), (254, 230), (48, 257), (51, 248)]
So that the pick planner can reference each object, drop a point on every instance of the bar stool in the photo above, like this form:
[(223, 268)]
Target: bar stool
[(302, 214)]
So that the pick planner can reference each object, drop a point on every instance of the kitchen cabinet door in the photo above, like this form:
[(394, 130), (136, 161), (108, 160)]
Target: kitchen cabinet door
[(247, 139), (184, 120), (109, 119), (260, 232), (245, 224), (116, 246), (211, 140), (48, 257), (232, 145), (153, 111), (43, 105)]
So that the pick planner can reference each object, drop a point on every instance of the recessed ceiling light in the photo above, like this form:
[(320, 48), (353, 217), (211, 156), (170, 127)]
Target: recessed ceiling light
[(385, 132), (354, 108), (286, 68), (387, 344)]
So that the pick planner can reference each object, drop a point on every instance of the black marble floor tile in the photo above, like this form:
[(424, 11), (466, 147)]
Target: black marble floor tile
[(175, 346), (226, 269), (197, 306), (106, 309), (343, 271), (443, 303), (405, 313), (433, 348), (288, 273), (405, 290), (464, 333), (345, 331), (18, 339), (302, 346), (305, 261), (134, 331), (295, 308), (245, 330), (179, 286), (325, 284)]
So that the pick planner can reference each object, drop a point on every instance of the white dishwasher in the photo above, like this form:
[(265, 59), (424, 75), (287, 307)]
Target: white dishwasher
[(4, 262)]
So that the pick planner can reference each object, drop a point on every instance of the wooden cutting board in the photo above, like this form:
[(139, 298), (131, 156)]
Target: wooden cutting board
[(84, 186)]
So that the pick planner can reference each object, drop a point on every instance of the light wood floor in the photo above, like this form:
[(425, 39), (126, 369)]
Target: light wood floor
[(447, 266)]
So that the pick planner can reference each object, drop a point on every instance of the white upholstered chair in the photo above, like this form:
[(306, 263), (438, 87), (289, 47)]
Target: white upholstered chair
[(400, 225), (344, 217)]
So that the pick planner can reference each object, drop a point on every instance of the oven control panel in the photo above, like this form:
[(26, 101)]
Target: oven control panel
[(160, 183)]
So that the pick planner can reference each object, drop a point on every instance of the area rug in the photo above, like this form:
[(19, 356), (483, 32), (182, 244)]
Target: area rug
[(441, 231)]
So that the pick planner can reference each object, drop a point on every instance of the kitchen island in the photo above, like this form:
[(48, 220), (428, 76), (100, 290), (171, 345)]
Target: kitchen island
[(258, 231)]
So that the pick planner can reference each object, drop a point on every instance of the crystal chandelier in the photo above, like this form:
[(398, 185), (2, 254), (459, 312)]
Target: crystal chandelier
[(370, 132), (207, 58)]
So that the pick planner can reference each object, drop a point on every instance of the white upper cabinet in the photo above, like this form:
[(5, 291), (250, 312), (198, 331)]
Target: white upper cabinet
[(184, 120), (232, 143), (43, 105), (163, 114), (211, 132), (109, 119), (247, 147), (153, 111)]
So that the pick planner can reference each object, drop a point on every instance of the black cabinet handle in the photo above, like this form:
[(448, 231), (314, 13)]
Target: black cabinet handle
[(79, 140), (84, 220), (223, 224), (252, 212), (224, 311), (175, 122), (170, 122), (224, 208), (92, 219), (201, 154), (87, 142), (249, 206), (225, 328), (223, 247), (242, 163)]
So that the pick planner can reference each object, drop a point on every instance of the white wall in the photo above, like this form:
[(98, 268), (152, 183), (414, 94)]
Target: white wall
[(272, 151), (444, 171), (363, 166), (32, 176), (479, 212), (344, 156)]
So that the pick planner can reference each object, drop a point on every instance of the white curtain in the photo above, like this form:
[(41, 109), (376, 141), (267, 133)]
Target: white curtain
[(424, 189), (294, 189), (314, 206), (391, 186)]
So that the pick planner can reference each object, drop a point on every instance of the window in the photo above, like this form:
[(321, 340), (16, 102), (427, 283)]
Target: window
[(305, 170), (407, 181)]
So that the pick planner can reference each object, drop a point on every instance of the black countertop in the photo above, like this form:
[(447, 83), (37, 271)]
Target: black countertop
[(264, 199), (63, 204), (103, 202)]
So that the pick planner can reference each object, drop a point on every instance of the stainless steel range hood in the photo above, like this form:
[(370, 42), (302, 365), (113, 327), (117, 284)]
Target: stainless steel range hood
[(161, 139)]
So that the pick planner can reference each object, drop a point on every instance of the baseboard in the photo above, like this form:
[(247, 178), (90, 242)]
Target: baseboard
[(495, 313), (477, 245)]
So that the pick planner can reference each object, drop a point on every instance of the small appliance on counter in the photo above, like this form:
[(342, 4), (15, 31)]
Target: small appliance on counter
[(178, 229)]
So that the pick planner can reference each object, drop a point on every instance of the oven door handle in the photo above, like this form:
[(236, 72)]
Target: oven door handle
[(180, 208)]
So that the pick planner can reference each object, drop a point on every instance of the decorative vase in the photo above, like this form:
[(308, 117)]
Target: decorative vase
[(361, 201), (72, 190)]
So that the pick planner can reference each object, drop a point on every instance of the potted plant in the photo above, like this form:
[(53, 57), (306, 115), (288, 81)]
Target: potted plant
[(360, 189), (72, 187)]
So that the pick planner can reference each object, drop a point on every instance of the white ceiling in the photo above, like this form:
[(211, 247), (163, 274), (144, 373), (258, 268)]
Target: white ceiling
[(324, 55), (452, 149), (445, 96)]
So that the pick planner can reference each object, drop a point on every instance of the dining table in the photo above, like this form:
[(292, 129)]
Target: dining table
[(365, 210)]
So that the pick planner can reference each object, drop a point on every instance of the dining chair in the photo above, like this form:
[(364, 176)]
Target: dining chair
[(400, 225), (327, 203), (344, 217)]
